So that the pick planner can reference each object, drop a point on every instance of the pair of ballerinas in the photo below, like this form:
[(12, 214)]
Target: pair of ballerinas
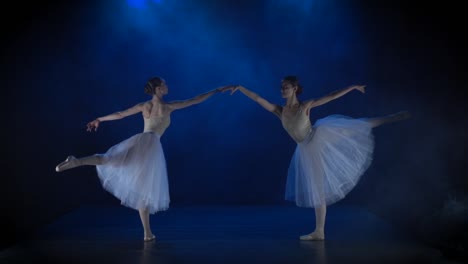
[(330, 157)]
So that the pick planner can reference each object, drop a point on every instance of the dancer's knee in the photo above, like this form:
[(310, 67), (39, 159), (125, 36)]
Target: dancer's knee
[(99, 159)]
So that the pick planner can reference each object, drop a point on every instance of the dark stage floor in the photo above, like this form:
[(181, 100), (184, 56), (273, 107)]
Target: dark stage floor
[(229, 234)]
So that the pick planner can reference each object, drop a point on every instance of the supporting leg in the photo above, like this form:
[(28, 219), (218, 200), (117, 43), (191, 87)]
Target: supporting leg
[(319, 233), (144, 216)]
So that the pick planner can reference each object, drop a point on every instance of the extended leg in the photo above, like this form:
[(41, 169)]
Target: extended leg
[(72, 162), (377, 121)]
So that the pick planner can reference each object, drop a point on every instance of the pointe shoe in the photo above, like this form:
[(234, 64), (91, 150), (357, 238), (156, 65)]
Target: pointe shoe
[(312, 237), (151, 238), (69, 163)]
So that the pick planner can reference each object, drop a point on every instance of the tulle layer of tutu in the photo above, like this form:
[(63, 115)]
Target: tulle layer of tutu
[(328, 164), (134, 171)]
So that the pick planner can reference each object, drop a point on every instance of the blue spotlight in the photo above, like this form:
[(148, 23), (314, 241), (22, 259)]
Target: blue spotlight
[(137, 3), (304, 6), (141, 4)]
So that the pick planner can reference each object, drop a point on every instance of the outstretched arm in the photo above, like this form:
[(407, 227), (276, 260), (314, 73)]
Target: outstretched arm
[(332, 96), (275, 109), (114, 116), (176, 105)]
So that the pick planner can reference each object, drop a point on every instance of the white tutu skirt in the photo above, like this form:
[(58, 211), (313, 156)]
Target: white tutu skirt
[(328, 164), (135, 172)]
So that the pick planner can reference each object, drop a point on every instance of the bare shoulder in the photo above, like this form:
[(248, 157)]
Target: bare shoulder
[(175, 105), (309, 103), (146, 108), (278, 110), (146, 104), (169, 107)]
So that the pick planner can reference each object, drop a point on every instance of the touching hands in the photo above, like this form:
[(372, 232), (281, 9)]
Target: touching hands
[(93, 125), (236, 88), (226, 88)]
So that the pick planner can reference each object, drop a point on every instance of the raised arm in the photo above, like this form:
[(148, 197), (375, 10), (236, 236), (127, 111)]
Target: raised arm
[(176, 105), (275, 109), (332, 96), (114, 116)]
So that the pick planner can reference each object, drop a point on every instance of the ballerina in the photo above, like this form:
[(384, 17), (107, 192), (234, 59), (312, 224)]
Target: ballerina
[(330, 156), (134, 170)]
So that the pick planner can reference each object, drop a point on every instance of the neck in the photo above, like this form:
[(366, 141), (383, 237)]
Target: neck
[(157, 98), (292, 101)]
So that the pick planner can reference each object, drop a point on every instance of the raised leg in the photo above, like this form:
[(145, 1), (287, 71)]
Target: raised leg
[(377, 121), (72, 162)]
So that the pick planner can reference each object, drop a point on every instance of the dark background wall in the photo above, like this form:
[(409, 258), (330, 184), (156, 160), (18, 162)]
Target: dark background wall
[(65, 64)]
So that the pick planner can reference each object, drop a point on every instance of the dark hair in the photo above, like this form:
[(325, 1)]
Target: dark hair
[(150, 87), (295, 82)]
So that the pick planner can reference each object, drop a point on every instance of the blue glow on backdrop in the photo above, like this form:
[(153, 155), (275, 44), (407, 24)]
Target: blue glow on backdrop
[(137, 3), (198, 46)]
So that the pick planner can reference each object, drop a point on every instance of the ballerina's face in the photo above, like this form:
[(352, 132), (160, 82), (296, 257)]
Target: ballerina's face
[(287, 89), (163, 89)]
